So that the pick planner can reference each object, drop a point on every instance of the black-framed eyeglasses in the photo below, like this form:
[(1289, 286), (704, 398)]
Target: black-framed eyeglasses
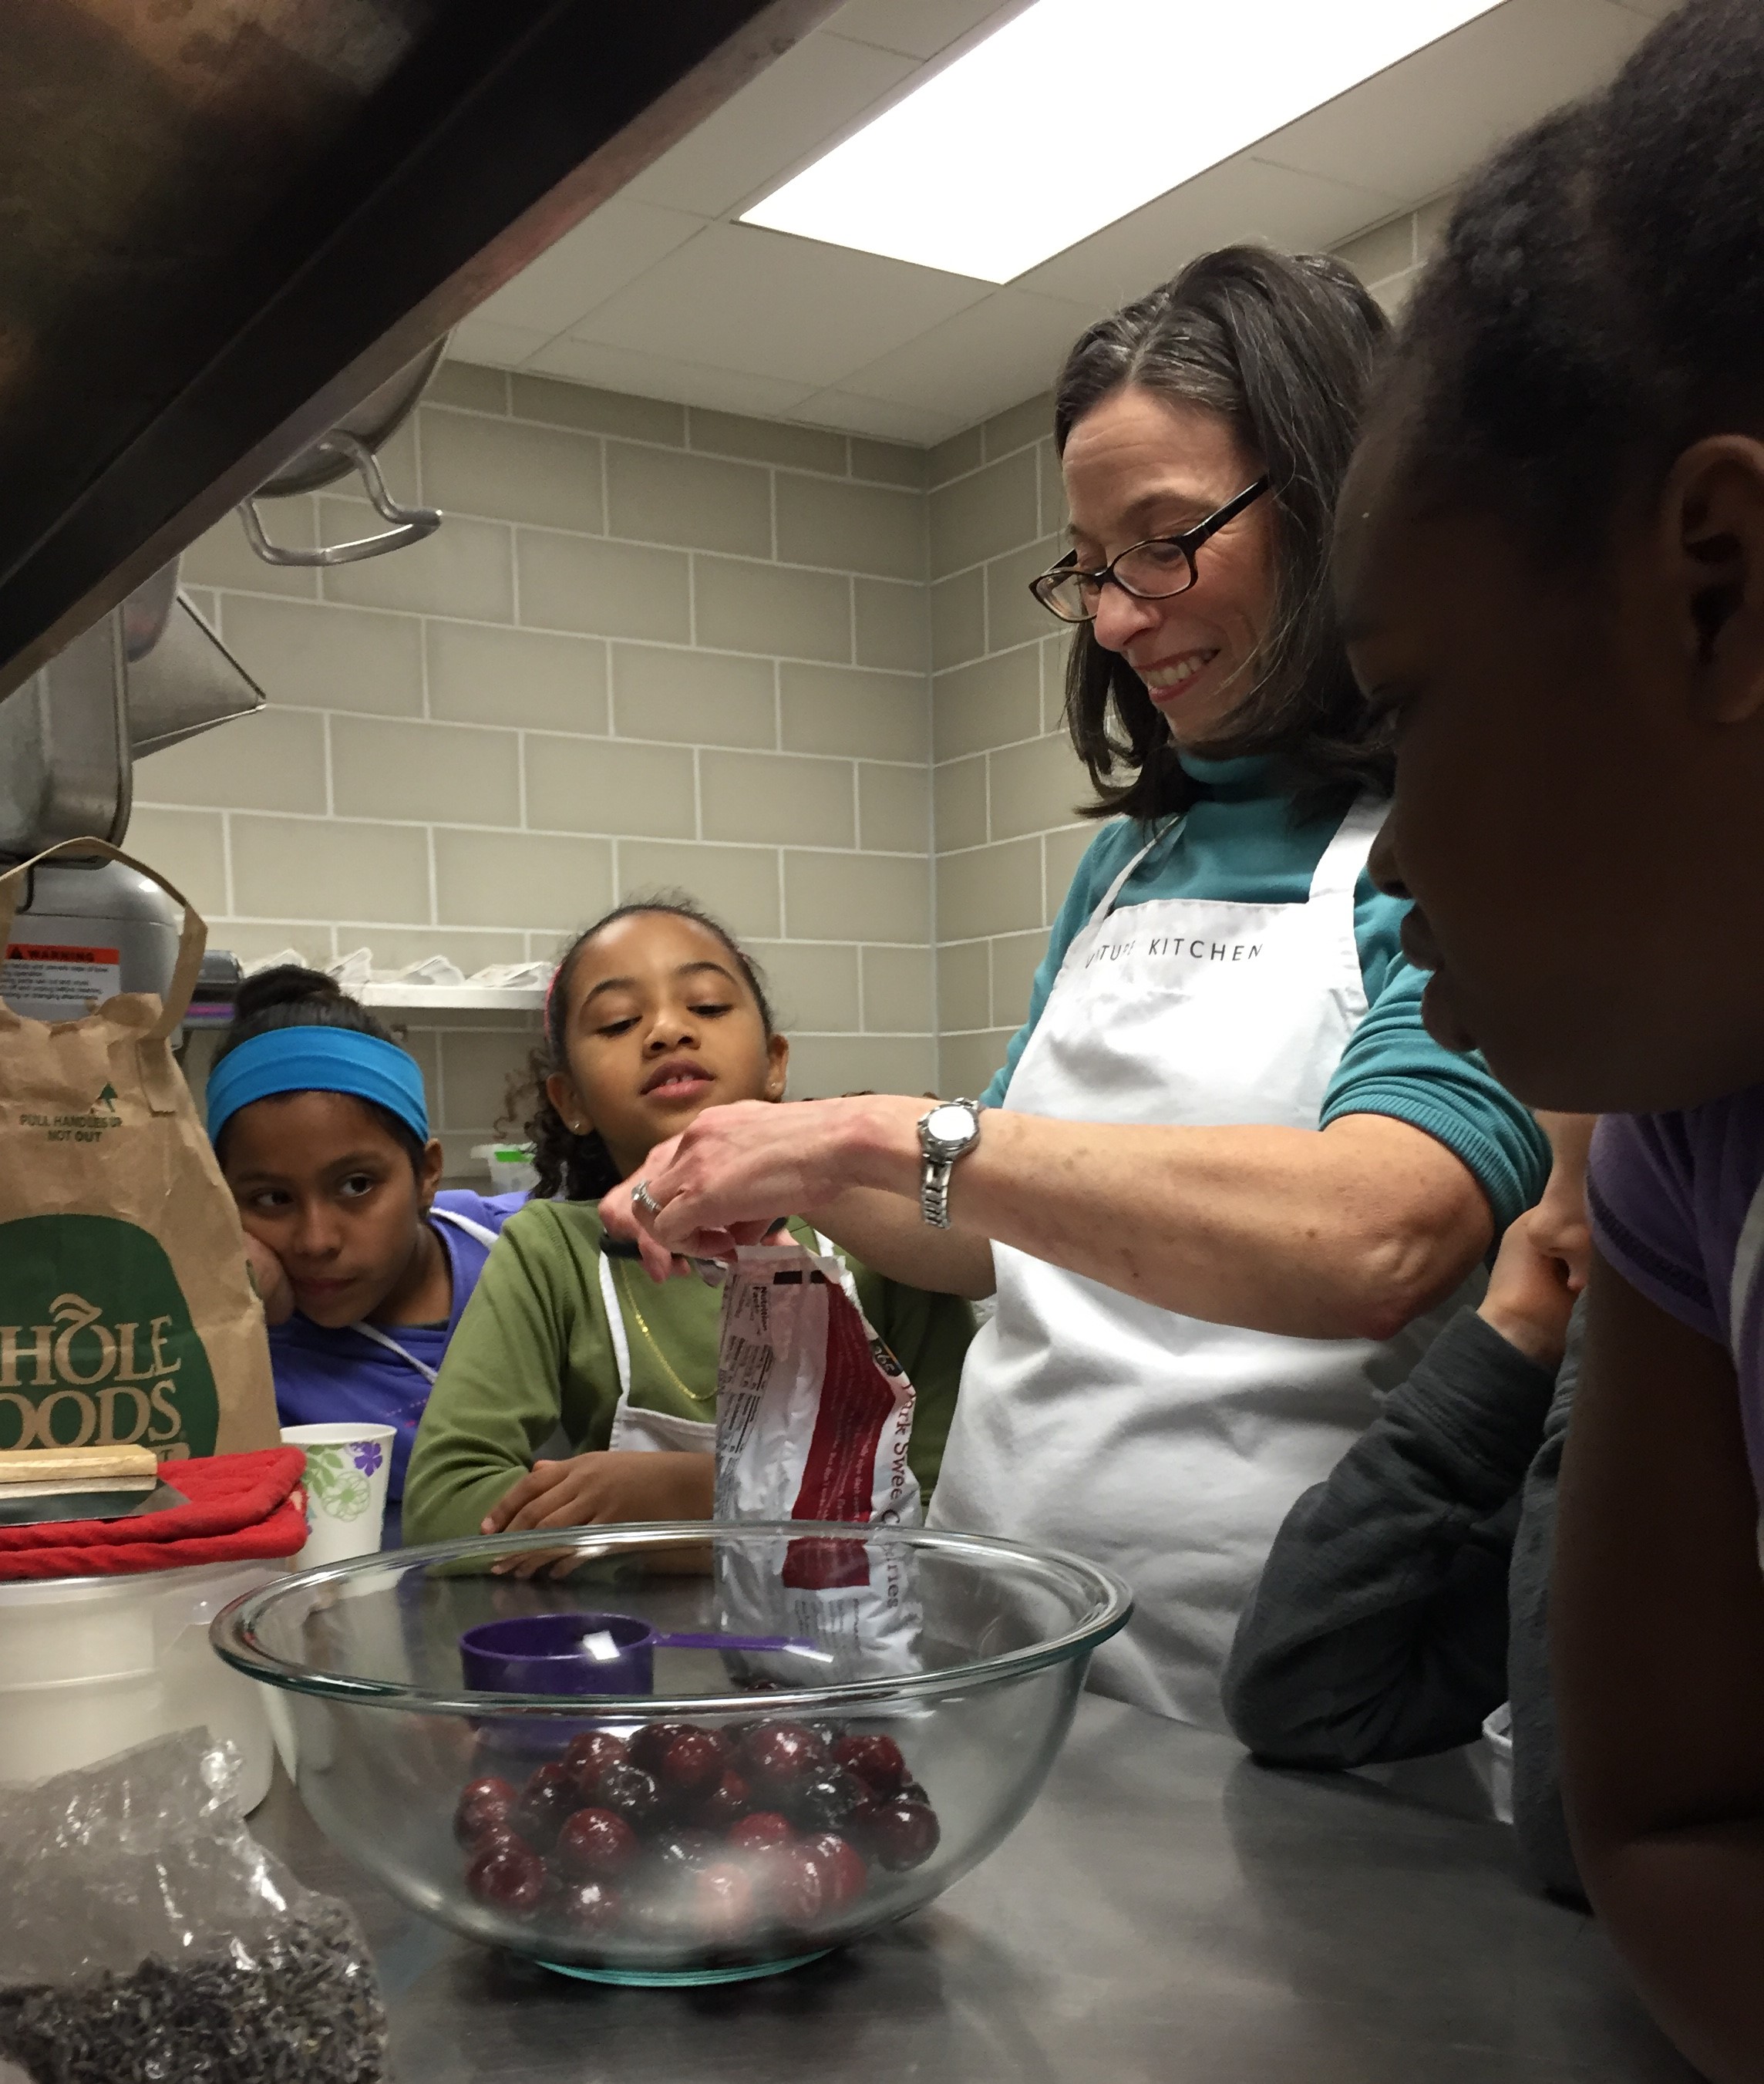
[(1154, 569)]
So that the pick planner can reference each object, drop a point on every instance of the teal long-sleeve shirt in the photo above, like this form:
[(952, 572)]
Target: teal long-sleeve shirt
[(1239, 843)]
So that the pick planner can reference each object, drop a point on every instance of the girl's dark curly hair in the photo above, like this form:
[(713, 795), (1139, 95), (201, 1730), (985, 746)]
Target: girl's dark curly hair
[(1281, 349), (581, 1168), (1597, 304)]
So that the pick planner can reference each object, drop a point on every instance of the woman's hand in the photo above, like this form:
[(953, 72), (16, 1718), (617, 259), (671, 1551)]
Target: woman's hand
[(598, 1489), (1530, 1295), (270, 1280), (738, 1170), (622, 1221)]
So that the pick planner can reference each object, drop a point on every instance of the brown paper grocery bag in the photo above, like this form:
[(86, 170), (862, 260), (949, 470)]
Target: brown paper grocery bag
[(126, 1314)]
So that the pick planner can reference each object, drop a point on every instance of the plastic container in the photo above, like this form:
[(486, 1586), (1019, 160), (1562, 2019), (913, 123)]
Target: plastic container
[(955, 1710), (1493, 1760), (510, 1167), (90, 1667)]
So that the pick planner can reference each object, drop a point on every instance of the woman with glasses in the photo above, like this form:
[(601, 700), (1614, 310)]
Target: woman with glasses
[(1225, 1183)]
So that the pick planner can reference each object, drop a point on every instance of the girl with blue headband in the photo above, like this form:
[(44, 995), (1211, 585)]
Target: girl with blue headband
[(320, 1123)]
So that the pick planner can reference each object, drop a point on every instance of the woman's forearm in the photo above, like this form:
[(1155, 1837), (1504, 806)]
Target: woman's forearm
[(887, 1233), (1346, 1232)]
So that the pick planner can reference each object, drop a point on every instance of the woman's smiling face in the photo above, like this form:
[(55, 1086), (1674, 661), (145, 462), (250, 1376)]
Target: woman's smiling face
[(1138, 465)]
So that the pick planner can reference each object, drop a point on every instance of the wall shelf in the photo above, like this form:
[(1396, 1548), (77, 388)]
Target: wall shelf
[(452, 998)]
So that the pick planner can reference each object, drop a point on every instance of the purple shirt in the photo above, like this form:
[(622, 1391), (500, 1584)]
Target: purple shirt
[(1677, 1208)]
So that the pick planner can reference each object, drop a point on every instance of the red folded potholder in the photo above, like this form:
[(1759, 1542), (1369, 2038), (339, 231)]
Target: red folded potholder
[(243, 1508)]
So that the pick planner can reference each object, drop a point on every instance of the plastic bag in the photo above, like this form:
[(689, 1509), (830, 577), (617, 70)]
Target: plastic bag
[(145, 1936), (814, 1418)]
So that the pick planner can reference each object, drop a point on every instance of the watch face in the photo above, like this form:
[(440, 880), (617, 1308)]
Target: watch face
[(949, 1125)]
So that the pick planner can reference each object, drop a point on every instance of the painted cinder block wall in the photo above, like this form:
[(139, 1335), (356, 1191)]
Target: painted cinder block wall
[(793, 671)]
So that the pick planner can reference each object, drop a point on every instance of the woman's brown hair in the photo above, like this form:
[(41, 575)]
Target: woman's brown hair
[(1282, 348)]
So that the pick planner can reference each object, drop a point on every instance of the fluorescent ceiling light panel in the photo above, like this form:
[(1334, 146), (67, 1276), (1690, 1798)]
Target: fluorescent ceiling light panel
[(1077, 111)]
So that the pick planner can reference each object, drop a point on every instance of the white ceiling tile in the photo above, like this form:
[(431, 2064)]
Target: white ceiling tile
[(476, 339), (650, 376), (769, 305), (1241, 198), (981, 360), (918, 28), (819, 88), (1421, 125), (588, 264), (879, 416)]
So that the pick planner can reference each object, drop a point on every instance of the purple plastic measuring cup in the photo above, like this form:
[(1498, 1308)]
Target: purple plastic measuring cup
[(591, 1653)]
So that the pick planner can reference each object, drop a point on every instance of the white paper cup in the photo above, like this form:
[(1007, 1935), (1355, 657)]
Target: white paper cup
[(346, 1469)]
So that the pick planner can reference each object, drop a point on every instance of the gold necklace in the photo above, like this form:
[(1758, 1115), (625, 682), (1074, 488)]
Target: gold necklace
[(692, 1396)]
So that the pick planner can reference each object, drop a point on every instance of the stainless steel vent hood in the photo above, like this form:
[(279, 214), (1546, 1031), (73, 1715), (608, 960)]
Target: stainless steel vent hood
[(223, 222)]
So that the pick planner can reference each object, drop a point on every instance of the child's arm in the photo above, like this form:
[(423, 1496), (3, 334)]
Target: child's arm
[(588, 1490), (500, 1396), (1657, 1627), (1378, 1629)]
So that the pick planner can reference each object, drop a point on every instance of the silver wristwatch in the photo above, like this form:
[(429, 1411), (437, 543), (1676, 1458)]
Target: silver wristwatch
[(950, 1131)]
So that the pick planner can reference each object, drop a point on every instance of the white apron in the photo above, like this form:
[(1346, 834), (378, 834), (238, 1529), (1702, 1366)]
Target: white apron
[(1167, 1448), (660, 1431)]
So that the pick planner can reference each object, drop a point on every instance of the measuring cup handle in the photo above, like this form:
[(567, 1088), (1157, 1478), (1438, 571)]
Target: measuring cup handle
[(753, 1642)]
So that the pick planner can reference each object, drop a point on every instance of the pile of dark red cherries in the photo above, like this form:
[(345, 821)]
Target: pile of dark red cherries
[(681, 1836)]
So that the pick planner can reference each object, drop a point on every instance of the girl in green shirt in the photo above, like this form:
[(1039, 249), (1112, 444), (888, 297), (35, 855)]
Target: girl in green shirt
[(654, 1015)]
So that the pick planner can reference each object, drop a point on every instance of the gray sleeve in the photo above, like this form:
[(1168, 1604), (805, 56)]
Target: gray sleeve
[(1539, 1823), (1378, 1630)]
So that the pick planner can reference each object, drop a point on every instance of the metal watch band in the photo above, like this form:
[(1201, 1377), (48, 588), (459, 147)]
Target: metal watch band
[(940, 1155), (934, 1192)]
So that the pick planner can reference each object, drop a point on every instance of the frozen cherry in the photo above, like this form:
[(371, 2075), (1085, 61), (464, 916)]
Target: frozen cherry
[(847, 1874), (909, 1790), (547, 1798), (693, 1764), (876, 1760), (724, 1904), (727, 1803), (590, 1907), (832, 1798), (507, 1876), (649, 1745), (686, 1848), (595, 1844), (901, 1834), (780, 1754), (483, 1805), (755, 1833), (632, 1792), (590, 1756), (830, 1733), (799, 1884), (657, 1910)]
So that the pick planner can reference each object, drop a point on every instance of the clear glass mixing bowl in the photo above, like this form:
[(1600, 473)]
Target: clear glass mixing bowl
[(912, 1691)]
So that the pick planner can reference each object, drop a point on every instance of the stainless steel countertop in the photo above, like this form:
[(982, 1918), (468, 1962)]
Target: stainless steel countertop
[(1168, 1911)]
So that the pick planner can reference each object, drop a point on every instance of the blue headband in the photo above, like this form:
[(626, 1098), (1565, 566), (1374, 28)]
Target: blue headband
[(310, 1059)]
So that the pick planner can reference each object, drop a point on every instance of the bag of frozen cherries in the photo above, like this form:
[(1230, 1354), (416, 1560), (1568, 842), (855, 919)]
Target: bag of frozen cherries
[(814, 1418)]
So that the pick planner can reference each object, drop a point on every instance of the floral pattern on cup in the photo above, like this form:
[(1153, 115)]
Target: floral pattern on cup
[(336, 1480)]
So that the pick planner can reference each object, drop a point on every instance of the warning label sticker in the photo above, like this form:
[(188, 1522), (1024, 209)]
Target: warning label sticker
[(48, 981)]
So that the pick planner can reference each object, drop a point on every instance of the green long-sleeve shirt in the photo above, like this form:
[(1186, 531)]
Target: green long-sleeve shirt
[(534, 1350)]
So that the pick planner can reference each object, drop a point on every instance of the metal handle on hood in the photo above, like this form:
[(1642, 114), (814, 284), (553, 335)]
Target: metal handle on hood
[(413, 523)]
